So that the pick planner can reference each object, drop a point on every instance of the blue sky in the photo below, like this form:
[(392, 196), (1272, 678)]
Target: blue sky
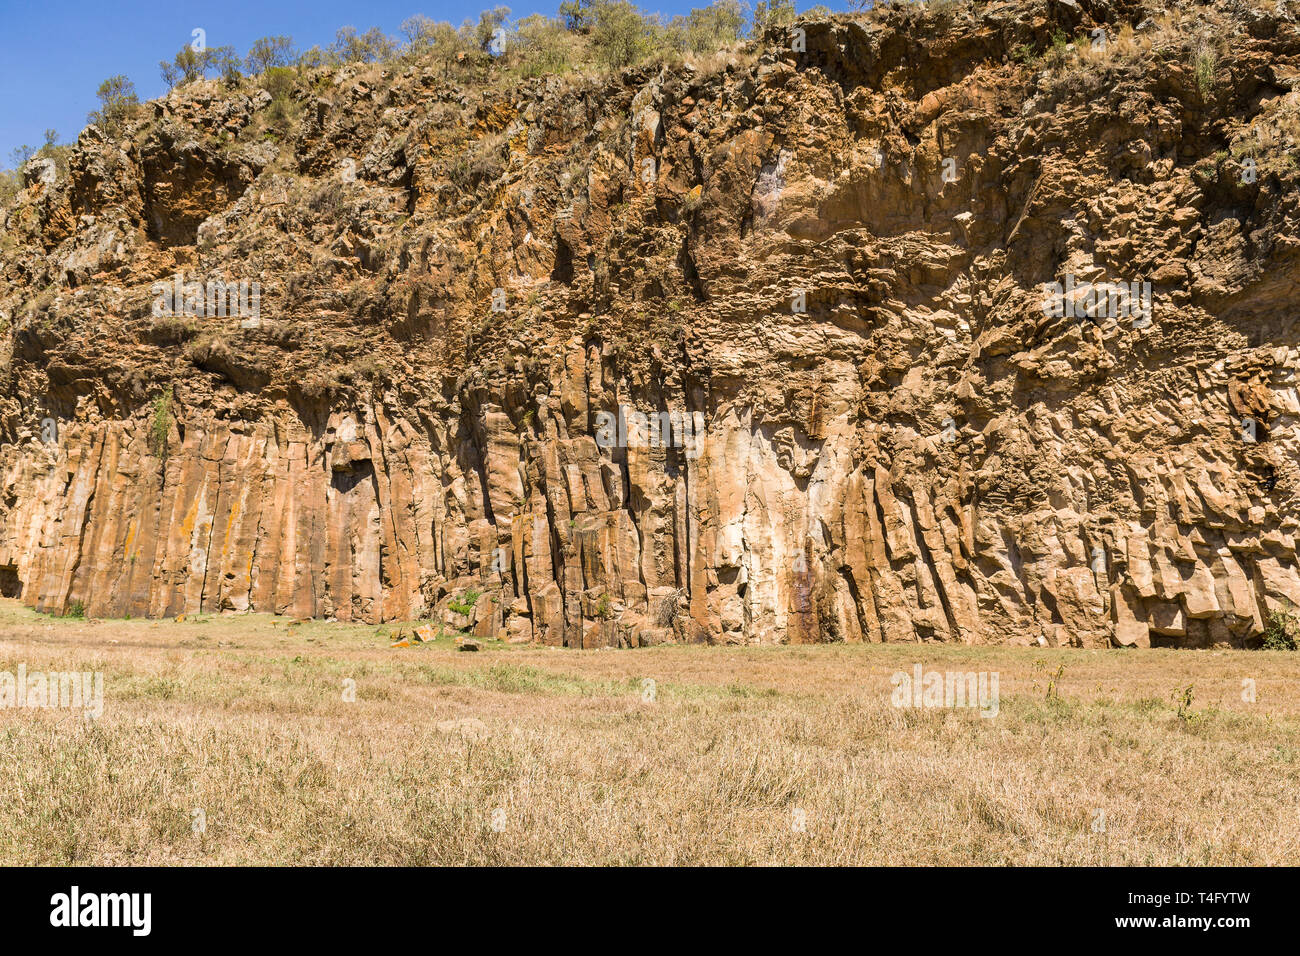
[(55, 53)]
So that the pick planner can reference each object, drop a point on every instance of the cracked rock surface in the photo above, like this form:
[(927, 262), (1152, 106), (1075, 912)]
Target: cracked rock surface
[(828, 271)]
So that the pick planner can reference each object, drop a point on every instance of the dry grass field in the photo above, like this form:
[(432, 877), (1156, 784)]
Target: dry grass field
[(522, 755)]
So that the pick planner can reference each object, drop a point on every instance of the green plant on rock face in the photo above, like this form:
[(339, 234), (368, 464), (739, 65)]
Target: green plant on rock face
[(1283, 630), (1058, 52), (602, 608), (465, 603), (1205, 63), (162, 423), (1024, 53), (75, 609)]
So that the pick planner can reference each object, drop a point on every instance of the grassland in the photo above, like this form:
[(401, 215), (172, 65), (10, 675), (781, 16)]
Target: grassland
[(523, 755)]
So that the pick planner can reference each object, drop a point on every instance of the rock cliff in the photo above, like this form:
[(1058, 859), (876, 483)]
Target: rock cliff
[(922, 325)]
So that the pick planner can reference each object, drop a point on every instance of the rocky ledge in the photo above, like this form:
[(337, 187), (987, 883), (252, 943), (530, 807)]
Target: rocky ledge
[(969, 324)]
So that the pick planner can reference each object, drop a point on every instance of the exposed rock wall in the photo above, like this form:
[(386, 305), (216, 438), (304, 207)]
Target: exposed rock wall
[(827, 267)]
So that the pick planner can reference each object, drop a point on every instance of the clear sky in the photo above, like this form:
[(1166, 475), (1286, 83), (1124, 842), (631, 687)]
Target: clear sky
[(55, 53)]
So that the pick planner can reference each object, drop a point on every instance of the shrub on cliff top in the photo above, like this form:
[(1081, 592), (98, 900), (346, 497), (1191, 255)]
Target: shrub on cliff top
[(117, 104), (190, 64), (620, 36), (369, 47), (269, 52), (711, 28), (543, 46), (771, 13)]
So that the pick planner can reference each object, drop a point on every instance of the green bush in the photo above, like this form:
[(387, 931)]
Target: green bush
[(9, 186), (282, 112), (190, 64), (279, 81), (373, 46), (269, 52), (313, 59), (772, 13), (541, 46), (118, 103), (225, 62), (620, 35), (465, 603), (714, 27), (1057, 53), (1283, 630)]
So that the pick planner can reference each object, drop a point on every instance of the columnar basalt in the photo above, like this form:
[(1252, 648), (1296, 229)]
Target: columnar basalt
[(829, 268)]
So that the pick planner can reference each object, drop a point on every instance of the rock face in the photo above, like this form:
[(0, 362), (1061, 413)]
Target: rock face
[(807, 346)]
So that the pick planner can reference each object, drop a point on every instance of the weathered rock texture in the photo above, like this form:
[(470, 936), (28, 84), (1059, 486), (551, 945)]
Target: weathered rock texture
[(364, 449)]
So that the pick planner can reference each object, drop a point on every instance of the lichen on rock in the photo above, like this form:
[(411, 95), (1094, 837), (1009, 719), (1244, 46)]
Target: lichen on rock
[(852, 310)]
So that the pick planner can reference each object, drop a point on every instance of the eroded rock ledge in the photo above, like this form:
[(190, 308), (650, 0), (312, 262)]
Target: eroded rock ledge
[(924, 453)]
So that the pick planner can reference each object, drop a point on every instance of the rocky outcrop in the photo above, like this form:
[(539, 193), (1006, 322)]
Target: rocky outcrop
[(806, 347)]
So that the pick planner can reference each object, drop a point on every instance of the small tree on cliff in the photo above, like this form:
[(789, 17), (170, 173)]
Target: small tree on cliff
[(369, 47), (771, 13), (190, 64), (267, 52), (620, 35), (117, 104), (714, 27)]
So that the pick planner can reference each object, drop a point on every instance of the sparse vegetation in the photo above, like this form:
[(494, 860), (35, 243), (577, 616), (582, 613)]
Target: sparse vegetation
[(587, 34), (1282, 633), (190, 64), (771, 13), (1205, 64), (269, 52), (369, 47), (51, 149), (464, 604), (118, 103), (282, 112), (734, 739), (161, 425), (9, 185), (544, 46), (483, 162), (1183, 697), (1058, 51)]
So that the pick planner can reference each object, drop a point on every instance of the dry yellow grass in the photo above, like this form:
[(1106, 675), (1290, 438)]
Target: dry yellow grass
[(244, 719)]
